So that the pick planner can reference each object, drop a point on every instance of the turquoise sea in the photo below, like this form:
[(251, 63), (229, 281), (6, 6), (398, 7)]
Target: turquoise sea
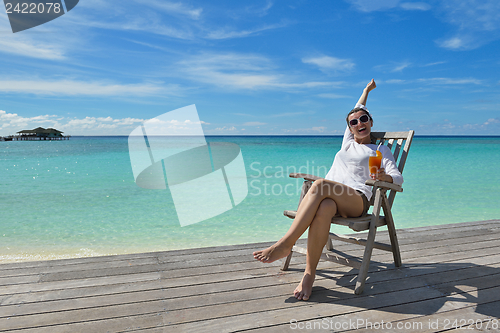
[(74, 198)]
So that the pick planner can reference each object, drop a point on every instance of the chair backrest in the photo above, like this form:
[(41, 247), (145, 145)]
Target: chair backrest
[(399, 143)]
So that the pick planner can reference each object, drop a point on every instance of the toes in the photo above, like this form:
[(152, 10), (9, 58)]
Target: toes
[(298, 294), (259, 255)]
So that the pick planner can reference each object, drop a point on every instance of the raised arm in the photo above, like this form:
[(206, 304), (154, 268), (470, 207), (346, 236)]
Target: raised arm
[(364, 96)]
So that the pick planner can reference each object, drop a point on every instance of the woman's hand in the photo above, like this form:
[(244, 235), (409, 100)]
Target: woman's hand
[(364, 96), (371, 85), (381, 175)]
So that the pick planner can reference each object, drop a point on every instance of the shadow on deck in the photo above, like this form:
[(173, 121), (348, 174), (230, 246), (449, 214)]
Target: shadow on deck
[(450, 279)]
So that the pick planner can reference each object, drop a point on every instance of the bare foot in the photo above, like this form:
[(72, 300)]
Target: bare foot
[(304, 289), (272, 253)]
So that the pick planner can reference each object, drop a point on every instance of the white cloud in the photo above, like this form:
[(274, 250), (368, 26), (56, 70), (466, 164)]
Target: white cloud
[(450, 81), (319, 129), (327, 63), (44, 46), (11, 123), (371, 5), (395, 81), (436, 81), (31, 48), (254, 123), (260, 11), (333, 96), (471, 14), (311, 130), (401, 66), (73, 88), (489, 127), (393, 67), (147, 22), (225, 33), (239, 71), (415, 6), (379, 5), (173, 8), (173, 19), (492, 121), (453, 43), (434, 63), (290, 114), (224, 129), (477, 23), (238, 16), (301, 85)]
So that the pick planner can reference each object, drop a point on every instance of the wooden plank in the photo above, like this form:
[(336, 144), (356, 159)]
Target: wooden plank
[(470, 237), (330, 256), (158, 258), (212, 290), (284, 288), (127, 257), (264, 295), (359, 241), (465, 318), (422, 299), (271, 281), (466, 230), (390, 135), (256, 265)]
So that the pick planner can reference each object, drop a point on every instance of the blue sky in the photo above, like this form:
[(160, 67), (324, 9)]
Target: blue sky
[(256, 67)]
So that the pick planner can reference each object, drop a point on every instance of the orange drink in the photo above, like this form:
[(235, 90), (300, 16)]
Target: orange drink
[(374, 163)]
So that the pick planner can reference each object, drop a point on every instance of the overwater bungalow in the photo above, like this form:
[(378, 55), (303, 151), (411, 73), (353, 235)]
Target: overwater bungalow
[(41, 133)]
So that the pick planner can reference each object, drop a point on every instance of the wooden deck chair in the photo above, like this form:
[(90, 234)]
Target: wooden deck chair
[(399, 143)]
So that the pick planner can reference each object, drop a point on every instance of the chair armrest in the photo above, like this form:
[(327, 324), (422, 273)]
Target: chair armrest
[(370, 182), (385, 185), (305, 176)]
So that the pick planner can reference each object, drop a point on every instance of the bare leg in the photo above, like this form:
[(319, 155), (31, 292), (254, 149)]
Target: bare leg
[(348, 201), (316, 240), (305, 214)]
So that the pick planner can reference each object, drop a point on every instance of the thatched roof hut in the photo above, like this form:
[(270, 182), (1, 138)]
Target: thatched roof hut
[(40, 131), (41, 134)]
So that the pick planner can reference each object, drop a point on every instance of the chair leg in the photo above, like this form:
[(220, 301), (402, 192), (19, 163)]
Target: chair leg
[(392, 233), (365, 264), (286, 262), (329, 244), (370, 241)]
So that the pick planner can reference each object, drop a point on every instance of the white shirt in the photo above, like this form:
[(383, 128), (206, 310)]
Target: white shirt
[(350, 166)]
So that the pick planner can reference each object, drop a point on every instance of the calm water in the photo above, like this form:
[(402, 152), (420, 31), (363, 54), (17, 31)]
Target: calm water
[(72, 198)]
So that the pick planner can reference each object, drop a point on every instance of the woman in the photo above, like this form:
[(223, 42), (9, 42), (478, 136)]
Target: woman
[(342, 193)]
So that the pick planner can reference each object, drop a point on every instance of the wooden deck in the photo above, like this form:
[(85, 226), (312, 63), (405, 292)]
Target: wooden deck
[(450, 277)]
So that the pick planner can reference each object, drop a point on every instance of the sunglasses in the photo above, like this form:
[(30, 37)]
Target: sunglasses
[(364, 119)]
